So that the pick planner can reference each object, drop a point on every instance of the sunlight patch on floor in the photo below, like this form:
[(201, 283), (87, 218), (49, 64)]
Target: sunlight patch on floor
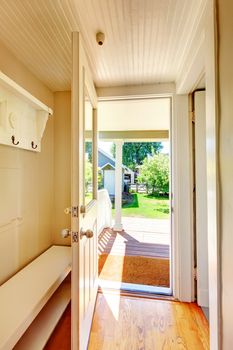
[(113, 301)]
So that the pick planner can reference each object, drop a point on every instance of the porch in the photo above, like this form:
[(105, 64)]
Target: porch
[(140, 254), (143, 237)]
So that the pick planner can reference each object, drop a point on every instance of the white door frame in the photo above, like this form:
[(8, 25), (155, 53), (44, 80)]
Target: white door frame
[(201, 199), (181, 254), (182, 273)]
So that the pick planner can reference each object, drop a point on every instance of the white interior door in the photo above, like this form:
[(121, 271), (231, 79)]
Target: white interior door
[(83, 197), (201, 199)]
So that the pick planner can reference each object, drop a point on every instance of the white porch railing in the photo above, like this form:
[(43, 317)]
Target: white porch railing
[(104, 214)]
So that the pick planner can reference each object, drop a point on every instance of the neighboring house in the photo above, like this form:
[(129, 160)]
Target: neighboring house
[(106, 164)]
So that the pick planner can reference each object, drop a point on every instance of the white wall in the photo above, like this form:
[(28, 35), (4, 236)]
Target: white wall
[(207, 29), (26, 185), (225, 16), (137, 114), (18, 72)]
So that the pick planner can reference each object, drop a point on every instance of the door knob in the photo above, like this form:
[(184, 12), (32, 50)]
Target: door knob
[(65, 232), (87, 233)]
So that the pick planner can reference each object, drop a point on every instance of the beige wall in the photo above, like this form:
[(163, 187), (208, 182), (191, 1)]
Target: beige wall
[(212, 176), (15, 69), (34, 187), (226, 165), (62, 165), (26, 185)]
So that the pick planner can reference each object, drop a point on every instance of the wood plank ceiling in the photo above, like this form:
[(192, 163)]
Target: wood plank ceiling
[(146, 40)]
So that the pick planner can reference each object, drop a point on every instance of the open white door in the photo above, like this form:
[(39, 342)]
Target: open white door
[(201, 200), (83, 197)]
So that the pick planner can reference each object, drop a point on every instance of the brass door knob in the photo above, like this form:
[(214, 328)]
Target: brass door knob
[(65, 232), (87, 233)]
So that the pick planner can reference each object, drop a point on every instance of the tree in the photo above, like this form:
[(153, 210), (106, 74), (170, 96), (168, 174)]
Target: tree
[(135, 152), (88, 150), (154, 172), (100, 179), (88, 175)]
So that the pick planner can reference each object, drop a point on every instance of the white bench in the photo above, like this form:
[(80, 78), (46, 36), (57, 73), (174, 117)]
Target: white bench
[(36, 290)]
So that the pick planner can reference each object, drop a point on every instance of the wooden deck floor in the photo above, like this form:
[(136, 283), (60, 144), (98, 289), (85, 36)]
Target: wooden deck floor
[(132, 243)]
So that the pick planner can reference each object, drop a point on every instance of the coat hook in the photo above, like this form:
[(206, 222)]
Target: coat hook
[(13, 140), (33, 145)]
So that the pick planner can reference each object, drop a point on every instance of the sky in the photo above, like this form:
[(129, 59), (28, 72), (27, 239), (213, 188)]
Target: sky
[(106, 146)]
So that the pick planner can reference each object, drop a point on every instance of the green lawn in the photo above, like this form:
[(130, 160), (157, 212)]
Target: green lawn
[(147, 206), (88, 197)]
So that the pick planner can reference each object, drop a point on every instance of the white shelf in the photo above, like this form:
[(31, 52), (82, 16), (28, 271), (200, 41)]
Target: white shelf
[(22, 116), (24, 295), (18, 90), (41, 329)]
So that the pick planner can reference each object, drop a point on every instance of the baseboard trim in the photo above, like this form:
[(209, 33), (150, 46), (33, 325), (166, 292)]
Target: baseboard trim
[(203, 297)]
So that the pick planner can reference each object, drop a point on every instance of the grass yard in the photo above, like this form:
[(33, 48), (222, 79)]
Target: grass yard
[(147, 206)]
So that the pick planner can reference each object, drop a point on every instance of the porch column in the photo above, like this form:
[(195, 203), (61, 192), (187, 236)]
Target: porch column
[(132, 178), (118, 186)]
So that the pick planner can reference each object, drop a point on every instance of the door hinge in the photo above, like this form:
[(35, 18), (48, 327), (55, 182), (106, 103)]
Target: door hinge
[(74, 212), (75, 237), (192, 115), (195, 273)]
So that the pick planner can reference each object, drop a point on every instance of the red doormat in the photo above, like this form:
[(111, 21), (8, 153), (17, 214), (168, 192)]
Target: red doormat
[(134, 269)]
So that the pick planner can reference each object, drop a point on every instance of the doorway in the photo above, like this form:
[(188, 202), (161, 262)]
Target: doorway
[(137, 257)]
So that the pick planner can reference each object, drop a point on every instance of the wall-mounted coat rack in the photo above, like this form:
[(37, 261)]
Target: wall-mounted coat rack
[(22, 116)]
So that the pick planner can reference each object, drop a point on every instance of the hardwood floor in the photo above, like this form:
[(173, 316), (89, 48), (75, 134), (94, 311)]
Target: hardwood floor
[(132, 323), (61, 337), (125, 323)]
